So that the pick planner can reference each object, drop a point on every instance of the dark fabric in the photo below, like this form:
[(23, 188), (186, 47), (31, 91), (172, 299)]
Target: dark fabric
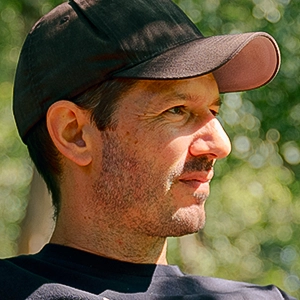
[(59, 272)]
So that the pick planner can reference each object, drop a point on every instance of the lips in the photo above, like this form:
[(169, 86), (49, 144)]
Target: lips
[(197, 177)]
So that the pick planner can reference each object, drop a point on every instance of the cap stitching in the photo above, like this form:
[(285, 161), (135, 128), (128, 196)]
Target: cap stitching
[(160, 50)]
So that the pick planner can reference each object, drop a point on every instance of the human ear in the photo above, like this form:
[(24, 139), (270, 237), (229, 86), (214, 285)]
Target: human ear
[(68, 126)]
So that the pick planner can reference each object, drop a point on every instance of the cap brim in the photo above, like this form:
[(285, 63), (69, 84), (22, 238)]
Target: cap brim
[(239, 62)]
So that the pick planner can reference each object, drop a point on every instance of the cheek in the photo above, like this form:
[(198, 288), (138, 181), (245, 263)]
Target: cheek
[(165, 140), (177, 148), (159, 148)]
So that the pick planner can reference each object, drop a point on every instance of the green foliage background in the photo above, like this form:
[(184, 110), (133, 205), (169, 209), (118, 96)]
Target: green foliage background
[(253, 213)]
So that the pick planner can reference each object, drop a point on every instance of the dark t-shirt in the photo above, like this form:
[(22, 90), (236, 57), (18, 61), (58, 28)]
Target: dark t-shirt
[(59, 272)]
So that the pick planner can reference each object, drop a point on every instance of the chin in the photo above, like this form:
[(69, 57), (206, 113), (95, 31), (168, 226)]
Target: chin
[(189, 229), (184, 223)]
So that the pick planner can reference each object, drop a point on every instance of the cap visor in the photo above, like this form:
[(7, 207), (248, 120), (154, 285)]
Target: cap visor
[(239, 62)]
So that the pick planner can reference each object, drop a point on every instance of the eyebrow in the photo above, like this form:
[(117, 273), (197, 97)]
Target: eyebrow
[(188, 97), (173, 97), (217, 102)]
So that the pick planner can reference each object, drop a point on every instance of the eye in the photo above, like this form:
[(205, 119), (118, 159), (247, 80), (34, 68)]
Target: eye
[(214, 112), (176, 113), (215, 108), (177, 110)]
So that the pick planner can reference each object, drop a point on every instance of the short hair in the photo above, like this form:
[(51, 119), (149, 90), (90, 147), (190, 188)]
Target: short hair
[(101, 100)]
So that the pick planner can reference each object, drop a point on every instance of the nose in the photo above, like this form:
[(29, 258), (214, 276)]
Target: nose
[(211, 140)]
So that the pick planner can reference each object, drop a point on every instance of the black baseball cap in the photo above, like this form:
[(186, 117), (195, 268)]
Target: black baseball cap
[(81, 43)]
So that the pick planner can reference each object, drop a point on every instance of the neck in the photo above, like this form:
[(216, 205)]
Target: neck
[(107, 242)]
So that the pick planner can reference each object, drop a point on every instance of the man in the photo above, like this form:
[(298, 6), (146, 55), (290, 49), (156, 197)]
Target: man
[(117, 103)]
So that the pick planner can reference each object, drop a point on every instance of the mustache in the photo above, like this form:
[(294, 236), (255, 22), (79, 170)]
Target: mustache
[(201, 163), (196, 164)]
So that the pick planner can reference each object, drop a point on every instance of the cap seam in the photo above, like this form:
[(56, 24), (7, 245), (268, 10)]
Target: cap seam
[(156, 54), (92, 12), (170, 47), (173, 47)]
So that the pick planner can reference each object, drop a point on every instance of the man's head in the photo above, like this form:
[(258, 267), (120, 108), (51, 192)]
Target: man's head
[(94, 53)]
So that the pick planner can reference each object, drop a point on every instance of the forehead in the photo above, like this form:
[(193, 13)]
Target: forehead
[(203, 88)]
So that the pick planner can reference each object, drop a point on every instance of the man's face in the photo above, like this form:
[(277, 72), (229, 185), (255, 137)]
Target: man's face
[(154, 169)]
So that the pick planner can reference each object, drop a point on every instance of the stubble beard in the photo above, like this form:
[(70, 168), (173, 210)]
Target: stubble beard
[(134, 196)]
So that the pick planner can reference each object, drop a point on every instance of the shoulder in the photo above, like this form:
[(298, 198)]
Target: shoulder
[(241, 290), (213, 288)]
